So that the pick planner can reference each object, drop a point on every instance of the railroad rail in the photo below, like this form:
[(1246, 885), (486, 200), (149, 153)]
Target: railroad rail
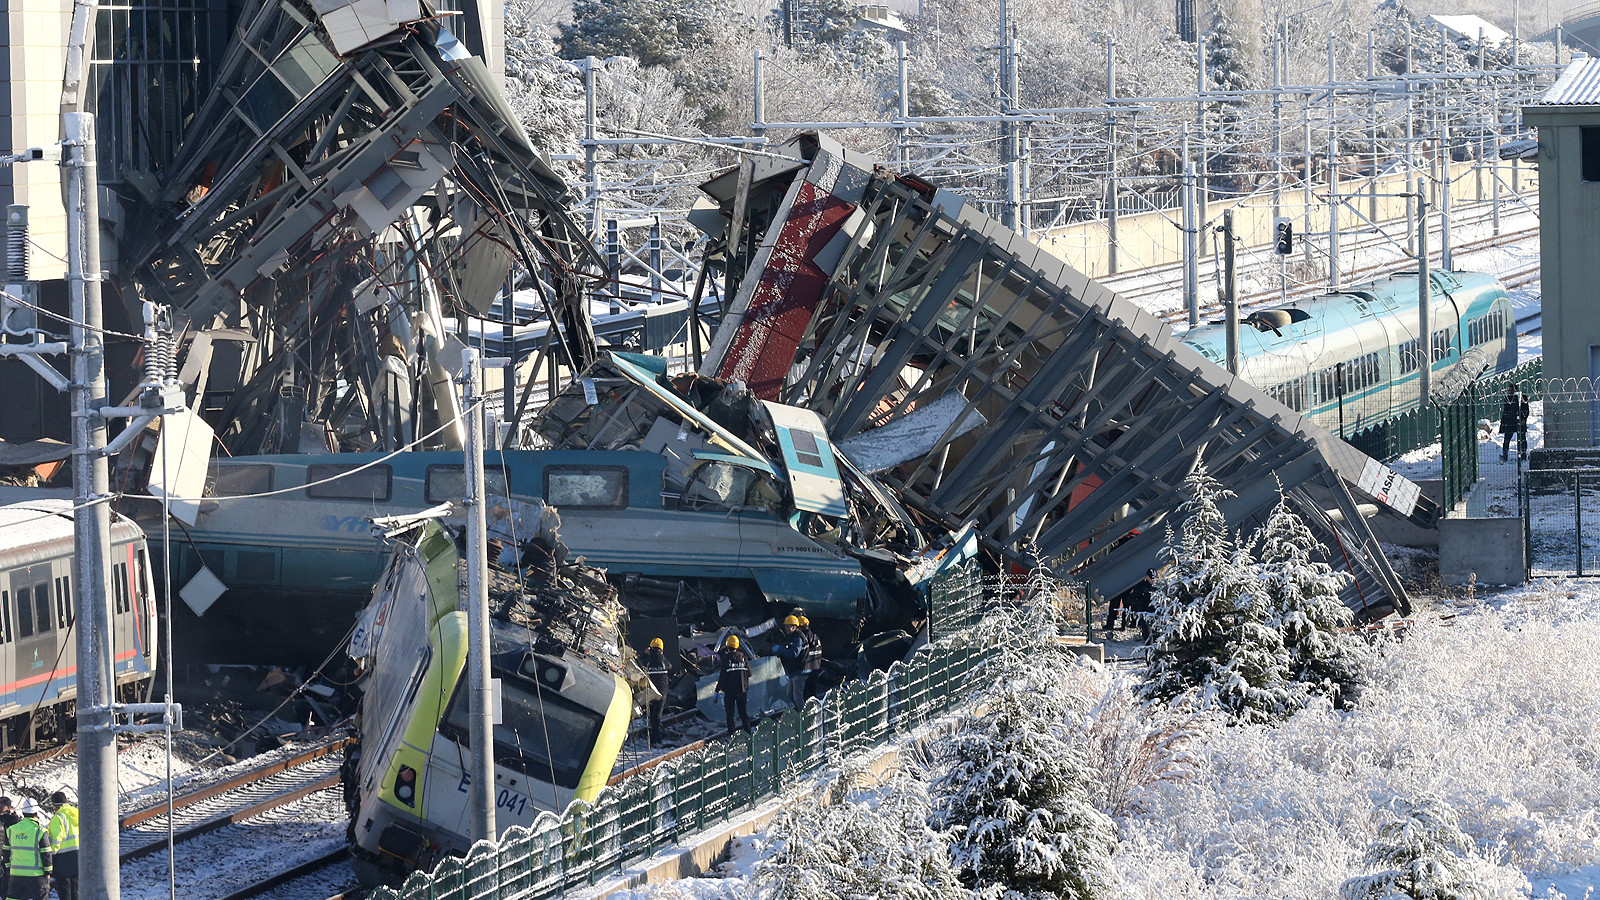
[(307, 871), (37, 757), (242, 796)]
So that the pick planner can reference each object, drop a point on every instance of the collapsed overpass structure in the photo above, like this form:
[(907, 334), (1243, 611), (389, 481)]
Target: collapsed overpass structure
[(989, 381)]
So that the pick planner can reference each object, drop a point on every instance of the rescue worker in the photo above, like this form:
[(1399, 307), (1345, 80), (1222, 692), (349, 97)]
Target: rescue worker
[(812, 664), (8, 818), (734, 682), (659, 671), (791, 648), (28, 855), (64, 838)]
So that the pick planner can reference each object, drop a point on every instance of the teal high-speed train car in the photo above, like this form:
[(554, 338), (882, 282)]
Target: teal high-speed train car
[(1350, 359)]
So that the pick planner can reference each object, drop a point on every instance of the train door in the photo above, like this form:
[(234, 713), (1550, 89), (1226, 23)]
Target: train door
[(7, 637), (121, 606), (35, 647)]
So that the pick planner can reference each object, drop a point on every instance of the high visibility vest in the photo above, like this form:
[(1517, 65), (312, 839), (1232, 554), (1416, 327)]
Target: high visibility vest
[(28, 841), (64, 828)]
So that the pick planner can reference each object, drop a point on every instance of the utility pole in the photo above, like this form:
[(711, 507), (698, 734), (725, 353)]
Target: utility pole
[(1445, 260), (1111, 156), (91, 522), (1230, 287), (1191, 230), (1333, 179), (479, 687), (1424, 306)]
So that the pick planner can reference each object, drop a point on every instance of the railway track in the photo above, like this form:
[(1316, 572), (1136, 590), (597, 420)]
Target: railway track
[(309, 880), (218, 804), (1261, 298)]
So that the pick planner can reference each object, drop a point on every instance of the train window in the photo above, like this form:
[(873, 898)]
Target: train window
[(41, 607), (238, 480), (119, 579), (5, 617), (24, 612), (594, 487), (63, 603), (139, 583), (450, 483), (372, 484)]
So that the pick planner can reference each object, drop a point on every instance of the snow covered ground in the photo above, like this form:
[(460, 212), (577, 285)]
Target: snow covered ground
[(1489, 704)]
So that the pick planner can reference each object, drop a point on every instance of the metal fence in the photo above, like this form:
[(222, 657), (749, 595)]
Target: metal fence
[(1421, 427), (713, 784), (1560, 511)]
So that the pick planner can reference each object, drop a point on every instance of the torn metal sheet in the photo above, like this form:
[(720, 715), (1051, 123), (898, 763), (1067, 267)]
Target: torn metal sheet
[(874, 296)]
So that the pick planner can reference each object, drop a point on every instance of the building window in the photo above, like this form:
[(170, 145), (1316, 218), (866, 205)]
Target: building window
[(1591, 154)]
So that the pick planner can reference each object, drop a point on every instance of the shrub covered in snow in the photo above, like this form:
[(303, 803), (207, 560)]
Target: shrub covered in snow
[(869, 844), (1013, 798), (1423, 854)]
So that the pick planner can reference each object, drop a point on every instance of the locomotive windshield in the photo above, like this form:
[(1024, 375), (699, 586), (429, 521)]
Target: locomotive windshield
[(532, 721)]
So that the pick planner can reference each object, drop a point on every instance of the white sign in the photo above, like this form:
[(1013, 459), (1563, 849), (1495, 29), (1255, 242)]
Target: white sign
[(1389, 487), (202, 591)]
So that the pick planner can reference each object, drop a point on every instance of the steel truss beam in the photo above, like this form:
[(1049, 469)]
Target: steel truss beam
[(1093, 414)]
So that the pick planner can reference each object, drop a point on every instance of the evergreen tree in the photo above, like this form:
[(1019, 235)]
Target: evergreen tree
[(546, 93), (1212, 629), (1303, 594), (1014, 802), (1425, 855), (651, 32)]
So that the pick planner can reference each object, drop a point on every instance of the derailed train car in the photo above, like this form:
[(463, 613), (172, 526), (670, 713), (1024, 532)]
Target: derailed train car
[(555, 647)]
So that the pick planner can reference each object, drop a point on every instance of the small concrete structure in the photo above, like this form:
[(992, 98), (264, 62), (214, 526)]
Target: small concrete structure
[(1486, 550)]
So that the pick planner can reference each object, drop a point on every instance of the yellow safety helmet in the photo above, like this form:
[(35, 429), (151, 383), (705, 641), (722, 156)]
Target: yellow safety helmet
[(657, 643), (733, 641), (791, 620), (805, 622)]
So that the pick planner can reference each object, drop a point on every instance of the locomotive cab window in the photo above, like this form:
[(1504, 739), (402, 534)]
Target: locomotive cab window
[(371, 484), (541, 733)]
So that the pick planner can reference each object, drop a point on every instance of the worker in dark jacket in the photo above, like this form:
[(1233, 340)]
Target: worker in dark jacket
[(64, 838), (28, 855), (1514, 421), (734, 682), (660, 673), (811, 665)]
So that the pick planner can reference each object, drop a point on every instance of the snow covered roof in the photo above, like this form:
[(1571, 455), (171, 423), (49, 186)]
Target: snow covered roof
[(1579, 85), (1469, 27)]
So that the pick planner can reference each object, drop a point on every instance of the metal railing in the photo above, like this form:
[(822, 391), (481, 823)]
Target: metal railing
[(711, 785), (1421, 427)]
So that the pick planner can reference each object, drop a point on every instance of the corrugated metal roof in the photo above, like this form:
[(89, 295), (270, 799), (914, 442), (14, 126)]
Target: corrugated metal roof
[(1579, 85)]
